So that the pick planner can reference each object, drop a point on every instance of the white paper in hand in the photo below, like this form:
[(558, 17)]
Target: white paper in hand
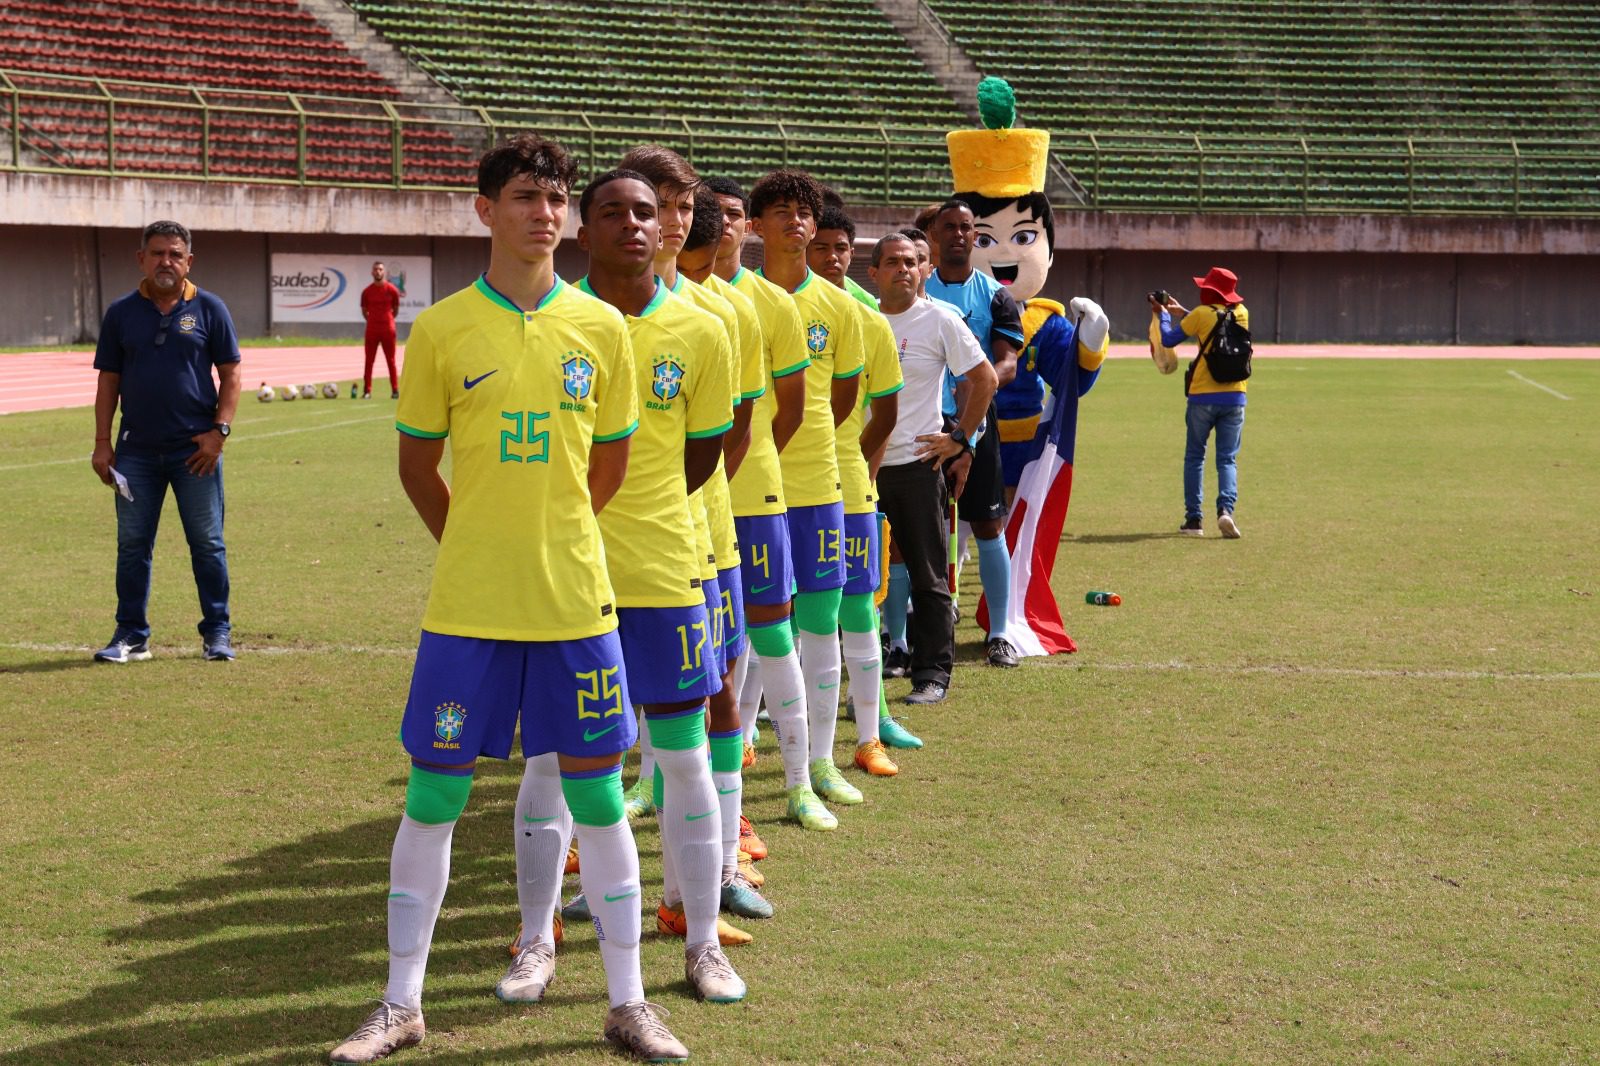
[(120, 483)]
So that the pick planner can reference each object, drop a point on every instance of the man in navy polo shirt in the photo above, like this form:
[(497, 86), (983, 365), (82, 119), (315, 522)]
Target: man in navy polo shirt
[(157, 347)]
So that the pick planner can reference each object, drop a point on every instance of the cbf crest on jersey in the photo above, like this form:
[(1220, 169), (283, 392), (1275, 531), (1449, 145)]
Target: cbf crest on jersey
[(817, 337), (577, 375), (668, 379)]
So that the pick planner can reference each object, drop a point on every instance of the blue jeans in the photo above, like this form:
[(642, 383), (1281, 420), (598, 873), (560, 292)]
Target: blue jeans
[(199, 508), (1228, 421)]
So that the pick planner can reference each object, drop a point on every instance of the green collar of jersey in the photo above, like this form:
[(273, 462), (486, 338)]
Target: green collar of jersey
[(737, 274), (655, 301), (499, 299), (798, 288)]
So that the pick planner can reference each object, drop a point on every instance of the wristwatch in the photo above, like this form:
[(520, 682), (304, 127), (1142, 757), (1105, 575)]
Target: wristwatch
[(223, 428), (961, 438)]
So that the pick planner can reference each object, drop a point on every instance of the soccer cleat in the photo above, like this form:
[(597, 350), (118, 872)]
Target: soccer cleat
[(219, 648), (740, 898), (711, 975), (529, 975), (895, 735), (576, 911), (572, 857), (829, 783), (1000, 652), (1229, 528), (671, 922), (807, 809), (639, 801), (387, 1029), (637, 1028), (749, 757), (394, 394), (367, 395), (927, 692), (897, 663), (749, 842), (556, 931), (123, 649), (1191, 527), (872, 758), (747, 870)]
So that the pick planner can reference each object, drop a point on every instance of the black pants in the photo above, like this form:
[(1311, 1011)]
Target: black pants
[(914, 498)]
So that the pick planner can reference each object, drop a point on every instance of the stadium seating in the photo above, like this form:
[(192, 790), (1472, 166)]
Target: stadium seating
[(830, 71), (1458, 78), (241, 56)]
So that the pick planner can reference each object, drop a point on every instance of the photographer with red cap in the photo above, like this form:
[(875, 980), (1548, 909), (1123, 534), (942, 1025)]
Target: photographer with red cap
[(1213, 405)]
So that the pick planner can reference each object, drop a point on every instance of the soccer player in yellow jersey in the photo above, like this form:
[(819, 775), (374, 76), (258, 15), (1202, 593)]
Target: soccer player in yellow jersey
[(783, 209), (860, 441), (531, 383), (668, 639)]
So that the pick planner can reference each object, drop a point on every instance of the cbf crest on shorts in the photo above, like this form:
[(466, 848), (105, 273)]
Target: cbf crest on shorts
[(448, 721), (577, 375), (817, 337), (668, 379)]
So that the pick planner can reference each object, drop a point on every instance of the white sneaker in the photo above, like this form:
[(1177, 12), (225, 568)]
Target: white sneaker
[(711, 975), (1229, 528), (637, 1028), (528, 976), (387, 1029)]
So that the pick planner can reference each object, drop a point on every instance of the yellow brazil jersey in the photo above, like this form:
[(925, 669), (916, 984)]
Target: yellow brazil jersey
[(880, 376), (758, 486), (681, 362), (720, 542), (751, 377), (833, 340), (521, 395), (1199, 323)]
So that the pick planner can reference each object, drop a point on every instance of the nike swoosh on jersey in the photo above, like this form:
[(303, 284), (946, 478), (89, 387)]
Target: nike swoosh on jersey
[(697, 817), (756, 590), (825, 573), (468, 383), (590, 737), (685, 682)]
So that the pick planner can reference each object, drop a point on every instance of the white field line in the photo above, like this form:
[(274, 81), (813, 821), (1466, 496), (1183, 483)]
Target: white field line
[(243, 440), (1535, 384), (1053, 662)]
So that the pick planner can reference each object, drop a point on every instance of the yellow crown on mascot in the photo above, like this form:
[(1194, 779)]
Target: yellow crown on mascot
[(999, 160)]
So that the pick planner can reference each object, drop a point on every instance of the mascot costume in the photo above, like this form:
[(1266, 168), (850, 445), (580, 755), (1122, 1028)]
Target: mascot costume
[(999, 172)]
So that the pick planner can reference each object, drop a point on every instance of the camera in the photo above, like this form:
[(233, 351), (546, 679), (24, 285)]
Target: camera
[(1160, 296)]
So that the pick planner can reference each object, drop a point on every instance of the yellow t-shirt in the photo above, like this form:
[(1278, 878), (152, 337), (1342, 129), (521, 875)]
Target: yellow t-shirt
[(833, 337), (880, 377), (522, 395), (681, 372), (758, 486), (1199, 323), (720, 542)]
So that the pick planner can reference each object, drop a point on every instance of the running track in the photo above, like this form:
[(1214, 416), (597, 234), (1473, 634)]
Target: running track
[(41, 381)]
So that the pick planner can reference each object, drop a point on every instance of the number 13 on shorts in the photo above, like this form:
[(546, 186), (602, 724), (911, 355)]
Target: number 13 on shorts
[(828, 545)]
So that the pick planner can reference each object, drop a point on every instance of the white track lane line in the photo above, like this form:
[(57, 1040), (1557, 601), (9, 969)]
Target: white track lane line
[(1535, 384)]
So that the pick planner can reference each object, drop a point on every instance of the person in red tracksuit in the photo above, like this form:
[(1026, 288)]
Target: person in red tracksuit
[(380, 303)]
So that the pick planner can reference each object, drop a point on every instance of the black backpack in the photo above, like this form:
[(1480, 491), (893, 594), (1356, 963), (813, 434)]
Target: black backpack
[(1227, 350)]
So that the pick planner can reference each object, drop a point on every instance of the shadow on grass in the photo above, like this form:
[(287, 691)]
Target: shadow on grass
[(1120, 538), (50, 666), (304, 918)]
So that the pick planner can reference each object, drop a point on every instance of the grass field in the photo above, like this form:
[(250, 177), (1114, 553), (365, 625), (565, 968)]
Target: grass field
[(1323, 794)]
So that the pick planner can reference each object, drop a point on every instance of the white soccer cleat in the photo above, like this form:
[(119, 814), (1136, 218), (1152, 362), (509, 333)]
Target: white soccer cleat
[(387, 1029), (528, 976)]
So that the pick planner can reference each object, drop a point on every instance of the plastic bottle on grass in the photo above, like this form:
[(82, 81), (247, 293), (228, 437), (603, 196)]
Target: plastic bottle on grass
[(1103, 599)]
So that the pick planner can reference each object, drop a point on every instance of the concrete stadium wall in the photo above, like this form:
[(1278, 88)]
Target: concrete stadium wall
[(1358, 279)]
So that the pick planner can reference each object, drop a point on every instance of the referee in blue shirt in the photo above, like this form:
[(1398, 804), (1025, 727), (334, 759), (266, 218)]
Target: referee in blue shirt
[(157, 348)]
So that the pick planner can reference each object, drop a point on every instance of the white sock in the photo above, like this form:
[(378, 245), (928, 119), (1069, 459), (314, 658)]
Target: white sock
[(691, 830), (419, 869), (863, 656), (730, 797), (786, 705), (610, 876), (543, 826), (820, 663), (647, 754), (749, 691), (963, 545)]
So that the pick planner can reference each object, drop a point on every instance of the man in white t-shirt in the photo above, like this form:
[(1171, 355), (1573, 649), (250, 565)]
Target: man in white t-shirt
[(930, 338)]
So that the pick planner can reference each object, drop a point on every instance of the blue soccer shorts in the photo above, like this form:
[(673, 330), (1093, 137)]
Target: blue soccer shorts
[(670, 654), (862, 553), (816, 544), (468, 694), (732, 608), (765, 567)]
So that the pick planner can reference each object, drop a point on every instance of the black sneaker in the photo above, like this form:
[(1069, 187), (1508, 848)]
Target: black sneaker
[(1191, 528), (394, 394), (897, 663), (1001, 653), (123, 649), (219, 648), (927, 692)]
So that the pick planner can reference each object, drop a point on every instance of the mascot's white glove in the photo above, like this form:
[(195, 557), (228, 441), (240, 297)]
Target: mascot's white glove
[(1093, 325)]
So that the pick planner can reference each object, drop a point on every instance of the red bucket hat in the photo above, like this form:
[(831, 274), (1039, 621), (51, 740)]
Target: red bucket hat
[(1222, 282)]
